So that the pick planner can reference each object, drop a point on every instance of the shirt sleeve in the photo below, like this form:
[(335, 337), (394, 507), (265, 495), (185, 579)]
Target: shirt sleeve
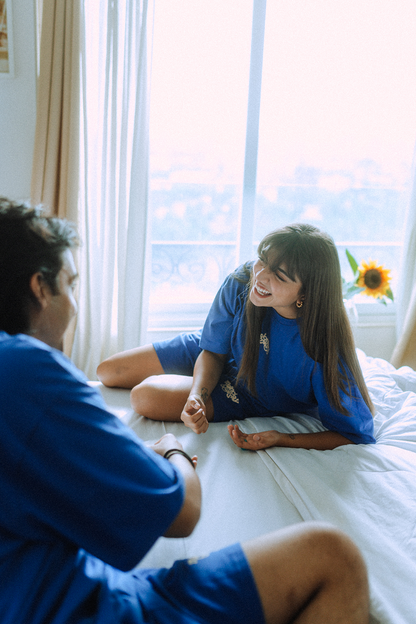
[(358, 425), (226, 310), (79, 474)]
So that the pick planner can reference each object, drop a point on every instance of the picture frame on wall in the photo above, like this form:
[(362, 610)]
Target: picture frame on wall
[(6, 40)]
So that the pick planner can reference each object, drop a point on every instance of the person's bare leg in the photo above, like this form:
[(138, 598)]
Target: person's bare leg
[(163, 397), (309, 573), (129, 368)]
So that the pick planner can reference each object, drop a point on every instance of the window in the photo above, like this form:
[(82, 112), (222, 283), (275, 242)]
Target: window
[(330, 144)]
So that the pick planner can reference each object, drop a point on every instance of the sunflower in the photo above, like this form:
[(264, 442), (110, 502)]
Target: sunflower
[(374, 279)]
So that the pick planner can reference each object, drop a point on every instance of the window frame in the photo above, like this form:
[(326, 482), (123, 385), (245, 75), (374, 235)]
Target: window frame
[(190, 316)]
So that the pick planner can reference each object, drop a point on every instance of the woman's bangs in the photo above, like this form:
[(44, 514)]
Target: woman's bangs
[(275, 256)]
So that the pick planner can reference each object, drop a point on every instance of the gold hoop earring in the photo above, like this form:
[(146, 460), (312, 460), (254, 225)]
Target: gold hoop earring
[(299, 304)]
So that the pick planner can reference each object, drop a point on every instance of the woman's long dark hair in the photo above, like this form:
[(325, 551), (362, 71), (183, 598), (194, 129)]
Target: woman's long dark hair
[(310, 256)]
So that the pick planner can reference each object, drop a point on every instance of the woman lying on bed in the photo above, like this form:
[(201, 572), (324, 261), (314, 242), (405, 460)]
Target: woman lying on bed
[(276, 341)]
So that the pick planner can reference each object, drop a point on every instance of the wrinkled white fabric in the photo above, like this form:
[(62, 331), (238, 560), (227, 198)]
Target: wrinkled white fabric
[(369, 491)]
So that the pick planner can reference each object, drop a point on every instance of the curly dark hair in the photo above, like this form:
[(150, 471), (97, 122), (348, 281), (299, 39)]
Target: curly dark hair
[(30, 242)]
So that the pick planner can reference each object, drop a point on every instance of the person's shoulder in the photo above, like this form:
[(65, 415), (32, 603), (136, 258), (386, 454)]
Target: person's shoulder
[(20, 348), (21, 353), (240, 277), (243, 272), (21, 359), (235, 286)]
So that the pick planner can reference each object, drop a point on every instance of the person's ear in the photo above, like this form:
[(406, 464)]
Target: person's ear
[(300, 302), (39, 288)]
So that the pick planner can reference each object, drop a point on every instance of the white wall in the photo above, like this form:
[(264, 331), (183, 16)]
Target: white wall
[(375, 330), (18, 105)]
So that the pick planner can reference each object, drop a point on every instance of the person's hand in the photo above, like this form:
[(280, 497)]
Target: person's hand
[(194, 414), (253, 441), (168, 442)]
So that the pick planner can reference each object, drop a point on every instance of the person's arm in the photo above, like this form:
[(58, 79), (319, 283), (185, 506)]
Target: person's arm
[(357, 424), (215, 341), (188, 517), (207, 371), (320, 441)]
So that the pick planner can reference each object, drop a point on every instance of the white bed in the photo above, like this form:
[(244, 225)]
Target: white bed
[(368, 491)]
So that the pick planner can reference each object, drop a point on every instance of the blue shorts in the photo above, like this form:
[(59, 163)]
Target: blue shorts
[(177, 357), (213, 589)]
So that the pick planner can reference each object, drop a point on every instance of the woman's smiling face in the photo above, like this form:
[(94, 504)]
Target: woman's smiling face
[(275, 289)]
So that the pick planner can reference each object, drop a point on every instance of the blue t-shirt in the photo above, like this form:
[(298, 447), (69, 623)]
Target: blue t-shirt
[(82, 498), (287, 379)]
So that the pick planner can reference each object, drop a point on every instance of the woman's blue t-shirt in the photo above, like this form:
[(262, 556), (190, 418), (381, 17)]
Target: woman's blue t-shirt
[(287, 379)]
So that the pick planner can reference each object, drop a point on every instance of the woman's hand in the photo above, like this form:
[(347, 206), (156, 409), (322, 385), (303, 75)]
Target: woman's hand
[(194, 414), (254, 441), (198, 408)]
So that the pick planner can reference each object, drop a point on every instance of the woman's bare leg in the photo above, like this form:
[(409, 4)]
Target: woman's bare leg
[(163, 397), (154, 394), (129, 368), (309, 573)]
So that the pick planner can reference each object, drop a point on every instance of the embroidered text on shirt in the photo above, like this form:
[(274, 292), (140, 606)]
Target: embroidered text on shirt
[(229, 391), (265, 342)]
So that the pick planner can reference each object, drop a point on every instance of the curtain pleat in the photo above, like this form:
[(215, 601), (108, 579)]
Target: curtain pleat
[(404, 353), (55, 170), (114, 179), (91, 161), (55, 161)]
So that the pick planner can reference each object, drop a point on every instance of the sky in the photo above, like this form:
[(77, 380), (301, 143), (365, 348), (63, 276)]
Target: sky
[(339, 82)]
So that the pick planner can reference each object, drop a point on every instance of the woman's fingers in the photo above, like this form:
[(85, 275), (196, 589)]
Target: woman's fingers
[(196, 421)]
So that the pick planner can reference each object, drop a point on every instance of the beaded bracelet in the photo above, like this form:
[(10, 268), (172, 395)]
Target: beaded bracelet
[(175, 451)]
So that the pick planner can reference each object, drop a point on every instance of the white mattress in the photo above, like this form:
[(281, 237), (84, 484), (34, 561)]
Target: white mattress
[(367, 490)]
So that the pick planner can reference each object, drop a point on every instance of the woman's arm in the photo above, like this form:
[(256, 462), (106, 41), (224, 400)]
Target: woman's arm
[(198, 410), (321, 441), (357, 424)]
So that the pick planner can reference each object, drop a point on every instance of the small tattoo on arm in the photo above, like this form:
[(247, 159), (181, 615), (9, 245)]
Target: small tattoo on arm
[(292, 436), (204, 394)]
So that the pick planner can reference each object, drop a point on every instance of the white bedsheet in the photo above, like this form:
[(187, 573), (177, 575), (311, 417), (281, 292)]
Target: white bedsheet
[(369, 491)]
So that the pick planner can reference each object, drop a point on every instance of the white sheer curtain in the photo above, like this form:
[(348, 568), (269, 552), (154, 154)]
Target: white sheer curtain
[(404, 353), (114, 179)]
